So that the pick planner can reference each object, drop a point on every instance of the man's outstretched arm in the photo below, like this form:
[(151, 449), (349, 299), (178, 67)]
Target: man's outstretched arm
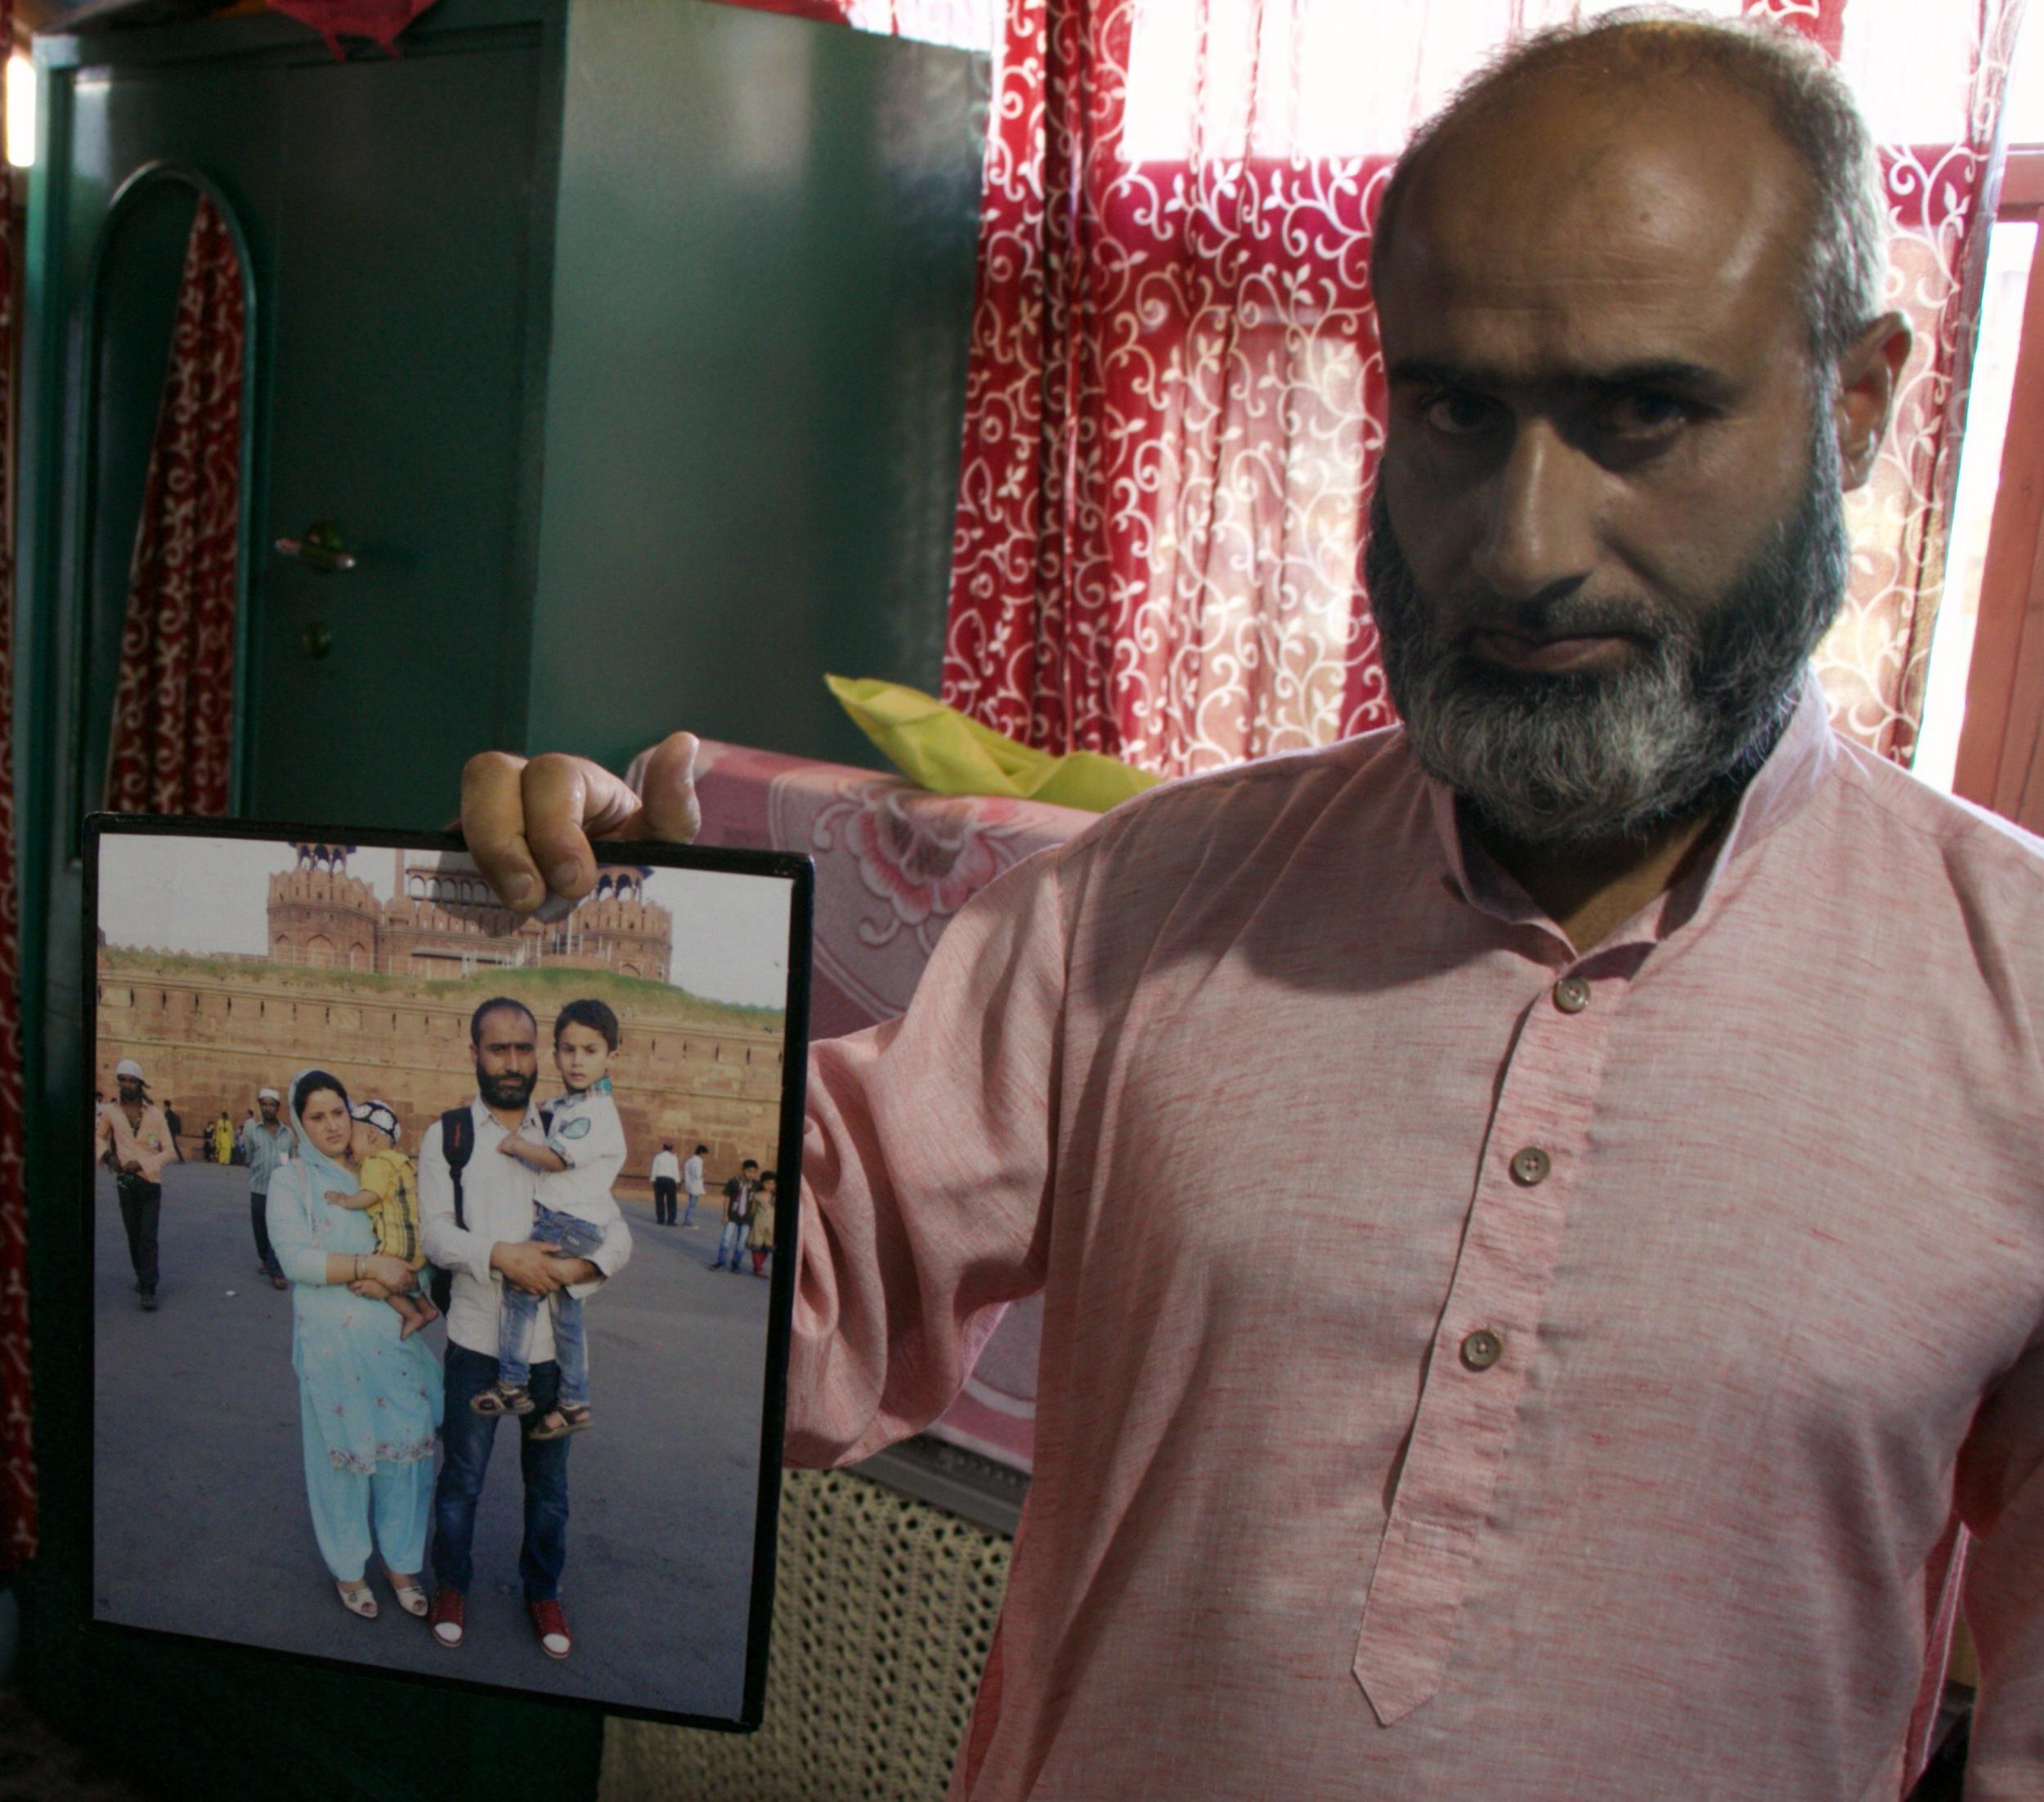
[(927, 1163), (926, 1157)]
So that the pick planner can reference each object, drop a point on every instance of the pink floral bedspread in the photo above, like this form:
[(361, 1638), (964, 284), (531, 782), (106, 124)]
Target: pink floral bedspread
[(893, 865)]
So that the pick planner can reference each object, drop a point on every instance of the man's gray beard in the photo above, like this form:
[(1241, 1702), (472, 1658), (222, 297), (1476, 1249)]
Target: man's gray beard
[(1576, 758)]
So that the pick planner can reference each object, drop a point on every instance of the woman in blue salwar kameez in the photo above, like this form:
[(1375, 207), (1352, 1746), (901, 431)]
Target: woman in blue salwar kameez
[(368, 1401)]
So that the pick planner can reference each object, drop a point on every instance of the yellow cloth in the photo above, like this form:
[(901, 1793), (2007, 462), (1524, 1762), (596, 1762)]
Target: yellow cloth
[(939, 748), (396, 1217)]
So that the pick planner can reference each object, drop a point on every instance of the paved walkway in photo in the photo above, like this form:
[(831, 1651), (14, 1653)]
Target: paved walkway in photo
[(200, 1520)]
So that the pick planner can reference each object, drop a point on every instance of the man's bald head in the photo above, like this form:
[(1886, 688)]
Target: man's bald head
[(1631, 58)]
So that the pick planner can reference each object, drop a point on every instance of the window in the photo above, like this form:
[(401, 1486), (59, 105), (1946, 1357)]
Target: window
[(1983, 697)]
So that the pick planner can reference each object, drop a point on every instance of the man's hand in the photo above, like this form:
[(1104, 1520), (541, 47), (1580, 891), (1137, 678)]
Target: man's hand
[(575, 1270), (535, 1268), (130, 1168), (529, 822)]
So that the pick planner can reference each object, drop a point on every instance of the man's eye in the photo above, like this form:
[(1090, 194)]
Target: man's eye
[(1457, 415), (1645, 415)]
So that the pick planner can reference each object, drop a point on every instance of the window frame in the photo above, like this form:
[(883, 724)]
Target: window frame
[(2000, 756)]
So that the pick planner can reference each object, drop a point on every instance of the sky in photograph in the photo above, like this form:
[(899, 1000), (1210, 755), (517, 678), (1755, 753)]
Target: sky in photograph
[(210, 896)]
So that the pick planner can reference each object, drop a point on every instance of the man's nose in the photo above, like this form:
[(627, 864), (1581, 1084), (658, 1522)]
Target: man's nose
[(1539, 536)]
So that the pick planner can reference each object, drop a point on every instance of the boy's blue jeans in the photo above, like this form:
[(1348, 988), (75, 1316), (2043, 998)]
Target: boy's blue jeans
[(732, 1244), (520, 1312)]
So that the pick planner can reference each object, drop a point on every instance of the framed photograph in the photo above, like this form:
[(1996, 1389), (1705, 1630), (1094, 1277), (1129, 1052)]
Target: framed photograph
[(442, 1262)]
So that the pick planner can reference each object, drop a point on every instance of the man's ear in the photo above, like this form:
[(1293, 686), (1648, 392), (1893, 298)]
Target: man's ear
[(1865, 396)]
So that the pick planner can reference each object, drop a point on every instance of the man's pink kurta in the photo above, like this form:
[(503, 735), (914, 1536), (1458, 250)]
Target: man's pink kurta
[(1469, 1369)]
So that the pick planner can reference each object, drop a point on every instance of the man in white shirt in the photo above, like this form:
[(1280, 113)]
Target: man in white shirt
[(487, 1243), (692, 1182), (666, 1184)]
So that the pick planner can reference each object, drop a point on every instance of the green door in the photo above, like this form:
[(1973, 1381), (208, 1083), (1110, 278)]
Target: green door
[(403, 320)]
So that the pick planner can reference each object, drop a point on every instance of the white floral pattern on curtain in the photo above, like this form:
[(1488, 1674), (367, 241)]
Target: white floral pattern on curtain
[(1174, 404)]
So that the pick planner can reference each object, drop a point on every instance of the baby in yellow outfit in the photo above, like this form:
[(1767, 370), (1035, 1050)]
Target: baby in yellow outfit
[(390, 1195)]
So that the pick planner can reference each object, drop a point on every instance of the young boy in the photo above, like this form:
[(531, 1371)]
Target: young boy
[(390, 1192), (585, 1149)]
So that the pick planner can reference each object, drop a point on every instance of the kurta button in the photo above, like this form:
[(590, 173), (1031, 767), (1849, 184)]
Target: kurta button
[(1483, 1349), (1530, 1165), (1571, 994)]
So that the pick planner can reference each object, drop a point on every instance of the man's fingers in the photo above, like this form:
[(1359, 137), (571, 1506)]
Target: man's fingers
[(667, 805), (493, 823), (567, 802), (529, 822)]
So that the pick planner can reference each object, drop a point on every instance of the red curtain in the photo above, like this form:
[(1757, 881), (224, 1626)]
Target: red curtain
[(17, 1449), (1175, 400), (173, 704)]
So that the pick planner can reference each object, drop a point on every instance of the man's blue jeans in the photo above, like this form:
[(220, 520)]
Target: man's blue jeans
[(695, 1195), (466, 1438), (733, 1244), (520, 1312)]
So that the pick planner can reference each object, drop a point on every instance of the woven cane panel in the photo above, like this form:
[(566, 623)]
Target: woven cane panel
[(882, 1615)]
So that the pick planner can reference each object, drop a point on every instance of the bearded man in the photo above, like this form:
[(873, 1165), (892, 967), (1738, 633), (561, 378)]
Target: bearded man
[(476, 1210), (1649, 1079)]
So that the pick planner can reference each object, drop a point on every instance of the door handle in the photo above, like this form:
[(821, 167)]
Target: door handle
[(319, 550)]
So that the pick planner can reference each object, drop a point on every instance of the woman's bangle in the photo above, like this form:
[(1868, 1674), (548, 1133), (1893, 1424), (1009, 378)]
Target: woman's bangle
[(358, 1266)]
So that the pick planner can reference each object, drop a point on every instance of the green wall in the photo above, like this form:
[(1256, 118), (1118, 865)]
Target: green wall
[(763, 288)]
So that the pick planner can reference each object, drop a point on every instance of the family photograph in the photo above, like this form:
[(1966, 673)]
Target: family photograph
[(422, 1363)]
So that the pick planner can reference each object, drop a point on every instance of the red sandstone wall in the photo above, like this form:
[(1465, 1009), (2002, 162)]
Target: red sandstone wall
[(210, 1044)]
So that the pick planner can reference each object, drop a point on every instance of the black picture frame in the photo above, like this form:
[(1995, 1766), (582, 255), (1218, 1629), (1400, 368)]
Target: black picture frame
[(798, 873)]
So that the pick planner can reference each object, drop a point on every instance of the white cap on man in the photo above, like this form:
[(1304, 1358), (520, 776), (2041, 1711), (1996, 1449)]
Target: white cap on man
[(268, 1095), (128, 1067)]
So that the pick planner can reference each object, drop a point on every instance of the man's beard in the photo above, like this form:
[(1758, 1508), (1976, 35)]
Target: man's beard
[(506, 1091), (1578, 758)]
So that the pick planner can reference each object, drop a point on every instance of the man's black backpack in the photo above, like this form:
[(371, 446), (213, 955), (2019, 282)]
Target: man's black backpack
[(457, 1140)]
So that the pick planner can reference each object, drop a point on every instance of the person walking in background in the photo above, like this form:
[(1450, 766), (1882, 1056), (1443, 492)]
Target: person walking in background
[(759, 1238), (221, 1133), (691, 1183), (737, 1216), (132, 1137), (666, 1173), (270, 1143), (176, 1126)]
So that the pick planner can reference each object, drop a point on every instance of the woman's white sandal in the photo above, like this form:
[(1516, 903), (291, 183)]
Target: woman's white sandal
[(356, 1598), (411, 1598)]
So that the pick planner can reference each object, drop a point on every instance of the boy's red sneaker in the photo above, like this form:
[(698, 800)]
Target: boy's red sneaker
[(551, 1625)]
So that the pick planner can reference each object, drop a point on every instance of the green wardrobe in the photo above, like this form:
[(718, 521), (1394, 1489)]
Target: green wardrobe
[(622, 345)]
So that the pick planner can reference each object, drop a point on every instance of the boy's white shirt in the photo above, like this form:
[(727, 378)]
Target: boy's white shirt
[(586, 1130), (692, 1176)]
